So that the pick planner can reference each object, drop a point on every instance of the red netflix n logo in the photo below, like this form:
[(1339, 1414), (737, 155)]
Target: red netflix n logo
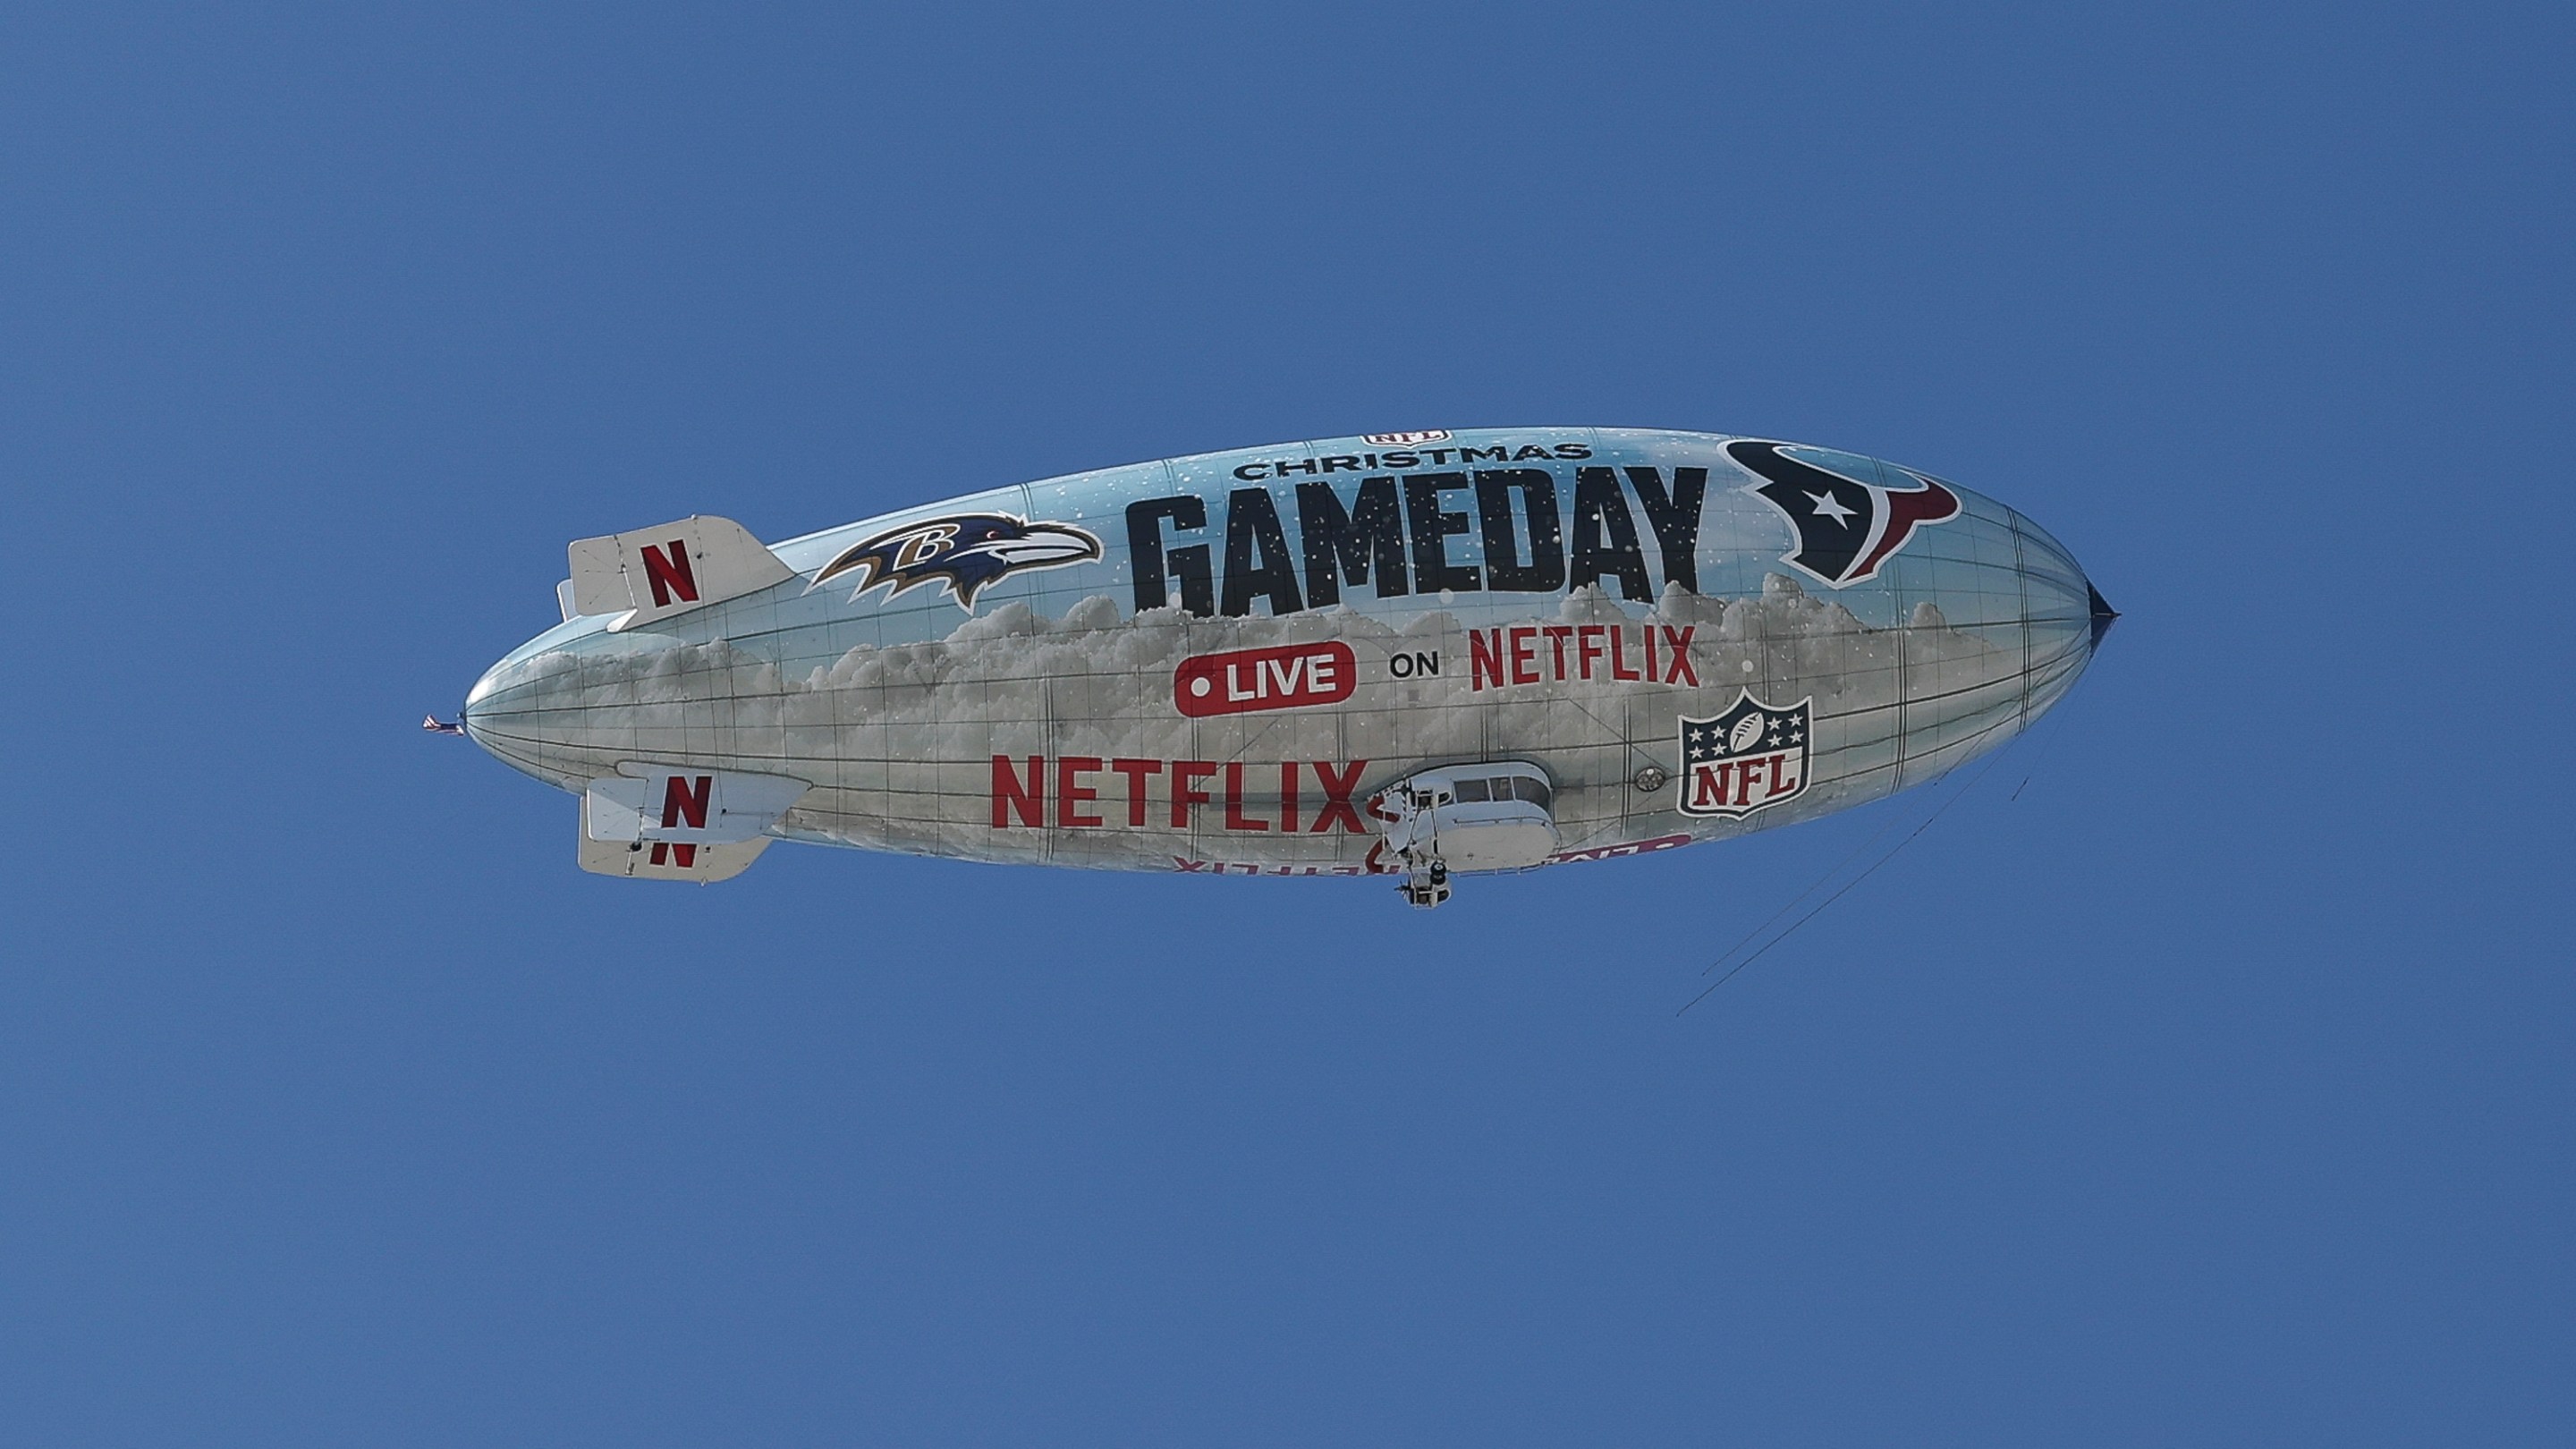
[(670, 575), (681, 803)]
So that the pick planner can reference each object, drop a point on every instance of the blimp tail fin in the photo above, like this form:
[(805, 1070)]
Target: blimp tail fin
[(664, 859), (666, 822), (652, 573)]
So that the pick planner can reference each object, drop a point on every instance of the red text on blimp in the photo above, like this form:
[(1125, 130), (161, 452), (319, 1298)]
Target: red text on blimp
[(1083, 790), (1290, 677), (1545, 653)]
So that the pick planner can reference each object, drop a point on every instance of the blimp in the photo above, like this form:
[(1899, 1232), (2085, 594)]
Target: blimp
[(1415, 655)]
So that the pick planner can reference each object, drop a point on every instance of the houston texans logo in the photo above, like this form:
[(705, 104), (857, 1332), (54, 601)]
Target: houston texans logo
[(1846, 528), (965, 551)]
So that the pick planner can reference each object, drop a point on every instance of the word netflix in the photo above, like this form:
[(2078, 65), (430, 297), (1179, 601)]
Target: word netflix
[(1086, 791), (1555, 653)]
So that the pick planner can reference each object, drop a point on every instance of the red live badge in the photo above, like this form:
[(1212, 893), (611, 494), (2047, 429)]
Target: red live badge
[(1290, 677)]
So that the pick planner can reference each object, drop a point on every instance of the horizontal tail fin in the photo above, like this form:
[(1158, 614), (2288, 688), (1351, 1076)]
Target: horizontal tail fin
[(672, 822), (662, 859), (653, 573)]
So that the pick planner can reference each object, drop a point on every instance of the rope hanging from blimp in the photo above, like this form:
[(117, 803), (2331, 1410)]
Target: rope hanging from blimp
[(2048, 732), (1846, 888)]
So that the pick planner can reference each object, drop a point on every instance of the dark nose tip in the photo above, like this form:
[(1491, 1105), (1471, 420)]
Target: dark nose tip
[(2103, 613)]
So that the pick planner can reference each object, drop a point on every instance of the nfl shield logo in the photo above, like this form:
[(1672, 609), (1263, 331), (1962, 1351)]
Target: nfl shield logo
[(1752, 756)]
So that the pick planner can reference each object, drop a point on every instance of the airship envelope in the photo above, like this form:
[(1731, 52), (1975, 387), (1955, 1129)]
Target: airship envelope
[(1415, 655)]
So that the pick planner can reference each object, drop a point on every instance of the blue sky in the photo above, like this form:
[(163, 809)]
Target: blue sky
[(2201, 1076)]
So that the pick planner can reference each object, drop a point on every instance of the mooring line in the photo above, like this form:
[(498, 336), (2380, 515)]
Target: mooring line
[(1955, 797)]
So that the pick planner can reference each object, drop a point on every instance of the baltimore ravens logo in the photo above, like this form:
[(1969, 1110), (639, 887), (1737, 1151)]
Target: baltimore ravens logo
[(1846, 528), (965, 551)]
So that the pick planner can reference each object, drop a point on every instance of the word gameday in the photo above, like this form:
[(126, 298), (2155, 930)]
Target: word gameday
[(1392, 535)]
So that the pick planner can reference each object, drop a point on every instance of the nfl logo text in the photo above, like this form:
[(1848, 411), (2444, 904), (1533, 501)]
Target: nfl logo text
[(1752, 756)]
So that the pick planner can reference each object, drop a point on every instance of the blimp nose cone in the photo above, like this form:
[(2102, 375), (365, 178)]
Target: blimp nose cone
[(2103, 613), (2048, 607)]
